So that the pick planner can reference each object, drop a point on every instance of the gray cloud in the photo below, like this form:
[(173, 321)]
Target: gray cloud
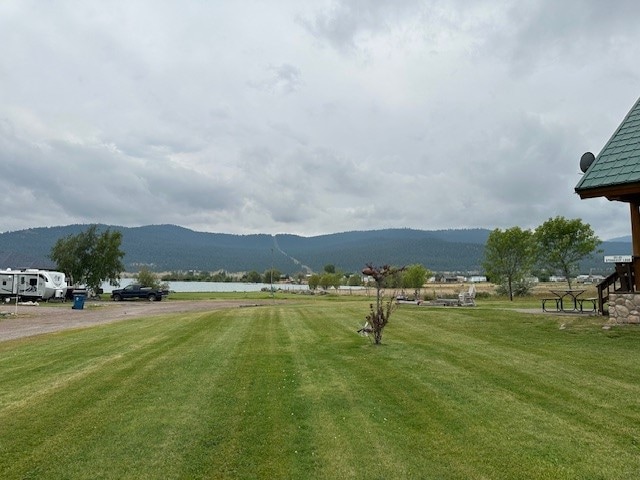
[(310, 118), (344, 22), (543, 33), (281, 79)]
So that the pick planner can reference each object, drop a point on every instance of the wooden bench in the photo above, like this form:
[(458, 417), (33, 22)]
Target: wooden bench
[(592, 304), (555, 300)]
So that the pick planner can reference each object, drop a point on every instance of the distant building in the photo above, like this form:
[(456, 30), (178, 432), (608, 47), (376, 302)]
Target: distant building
[(589, 279), (453, 279), (557, 278), (477, 279)]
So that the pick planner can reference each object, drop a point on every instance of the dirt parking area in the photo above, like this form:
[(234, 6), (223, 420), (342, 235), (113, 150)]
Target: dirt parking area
[(28, 320)]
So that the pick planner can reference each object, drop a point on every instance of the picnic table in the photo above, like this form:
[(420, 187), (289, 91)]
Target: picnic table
[(569, 301)]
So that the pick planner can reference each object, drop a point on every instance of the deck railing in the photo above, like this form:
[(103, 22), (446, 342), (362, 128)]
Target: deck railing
[(621, 280)]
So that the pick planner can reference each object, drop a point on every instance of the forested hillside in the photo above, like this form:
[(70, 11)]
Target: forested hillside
[(173, 248), (352, 250)]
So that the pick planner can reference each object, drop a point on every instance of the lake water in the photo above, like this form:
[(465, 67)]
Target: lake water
[(183, 287), (212, 286)]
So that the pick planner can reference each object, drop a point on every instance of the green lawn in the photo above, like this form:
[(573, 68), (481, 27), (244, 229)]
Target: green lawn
[(290, 391)]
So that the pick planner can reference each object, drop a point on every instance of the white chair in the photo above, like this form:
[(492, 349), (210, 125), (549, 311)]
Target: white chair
[(468, 299)]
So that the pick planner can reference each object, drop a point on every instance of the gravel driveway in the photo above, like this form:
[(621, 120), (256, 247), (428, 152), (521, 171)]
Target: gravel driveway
[(37, 319)]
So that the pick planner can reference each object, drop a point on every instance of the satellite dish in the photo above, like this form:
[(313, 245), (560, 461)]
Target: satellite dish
[(585, 161)]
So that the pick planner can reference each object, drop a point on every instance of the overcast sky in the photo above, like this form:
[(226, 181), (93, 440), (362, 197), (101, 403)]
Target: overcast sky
[(310, 117)]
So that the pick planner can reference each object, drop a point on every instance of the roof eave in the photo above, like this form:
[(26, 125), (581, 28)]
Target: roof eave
[(628, 192)]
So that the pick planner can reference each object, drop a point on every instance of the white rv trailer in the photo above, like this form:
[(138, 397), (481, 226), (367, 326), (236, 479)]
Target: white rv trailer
[(32, 284)]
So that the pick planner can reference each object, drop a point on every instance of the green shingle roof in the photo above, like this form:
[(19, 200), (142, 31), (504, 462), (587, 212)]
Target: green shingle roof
[(619, 161)]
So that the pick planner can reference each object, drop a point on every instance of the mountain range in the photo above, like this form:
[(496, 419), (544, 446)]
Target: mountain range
[(165, 248)]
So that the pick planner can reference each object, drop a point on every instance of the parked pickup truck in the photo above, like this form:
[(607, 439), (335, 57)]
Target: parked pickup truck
[(137, 291)]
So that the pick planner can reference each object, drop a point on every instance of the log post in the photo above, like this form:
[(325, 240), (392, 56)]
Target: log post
[(635, 242)]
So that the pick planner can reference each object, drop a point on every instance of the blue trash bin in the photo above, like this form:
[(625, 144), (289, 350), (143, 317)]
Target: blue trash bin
[(78, 302)]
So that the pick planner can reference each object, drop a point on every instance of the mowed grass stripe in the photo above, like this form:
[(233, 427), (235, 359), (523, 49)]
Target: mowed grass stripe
[(131, 408), (376, 419), (258, 442), (546, 404), (290, 391)]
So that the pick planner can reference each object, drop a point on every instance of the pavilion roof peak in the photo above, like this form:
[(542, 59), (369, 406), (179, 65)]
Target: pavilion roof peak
[(615, 172)]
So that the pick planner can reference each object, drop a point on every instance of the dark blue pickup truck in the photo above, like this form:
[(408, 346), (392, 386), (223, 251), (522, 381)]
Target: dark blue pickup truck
[(138, 291)]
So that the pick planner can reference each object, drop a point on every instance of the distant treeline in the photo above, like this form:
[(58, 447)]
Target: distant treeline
[(169, 248)]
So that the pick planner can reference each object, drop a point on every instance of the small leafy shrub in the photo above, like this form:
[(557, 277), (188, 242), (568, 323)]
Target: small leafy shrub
[(427, 297)]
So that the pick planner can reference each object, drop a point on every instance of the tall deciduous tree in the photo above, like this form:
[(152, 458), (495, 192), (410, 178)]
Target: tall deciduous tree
[(314, 281), (330, 268), (562, 243), (415, 276), (90, 257), (271, 276), (147, 278), (330, 280), (508, 256), (254, 277)]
